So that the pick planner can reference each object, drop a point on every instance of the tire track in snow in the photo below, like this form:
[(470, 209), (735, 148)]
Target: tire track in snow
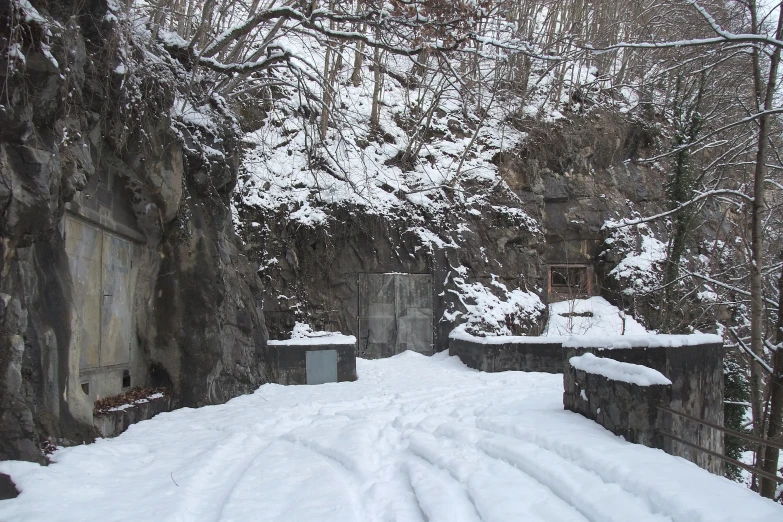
[(596, 499), (596, 465), (498, 491), (441, 498), (338, 461), (207, 485)]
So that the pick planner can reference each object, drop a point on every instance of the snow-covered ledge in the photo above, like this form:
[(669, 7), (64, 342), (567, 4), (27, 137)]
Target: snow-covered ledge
[(619, 371), (622, 397), (508, 352), (614, 342), (329, 338)]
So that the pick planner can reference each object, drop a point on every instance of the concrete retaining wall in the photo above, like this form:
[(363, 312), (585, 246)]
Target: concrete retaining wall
[(508, 353), (112, 423), (288, 362)]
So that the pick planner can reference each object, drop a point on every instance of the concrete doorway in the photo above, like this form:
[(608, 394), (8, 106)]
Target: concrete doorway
[(101, 323), (395, 314)]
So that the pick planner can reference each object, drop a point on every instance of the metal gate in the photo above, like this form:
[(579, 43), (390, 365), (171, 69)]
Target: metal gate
[(395, 314)]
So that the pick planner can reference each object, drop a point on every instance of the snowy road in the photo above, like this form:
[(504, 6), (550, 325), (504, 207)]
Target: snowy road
[(415, 439)]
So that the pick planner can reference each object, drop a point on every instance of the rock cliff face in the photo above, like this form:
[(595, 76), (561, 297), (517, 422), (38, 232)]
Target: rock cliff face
[(568, 178), (68, 137)]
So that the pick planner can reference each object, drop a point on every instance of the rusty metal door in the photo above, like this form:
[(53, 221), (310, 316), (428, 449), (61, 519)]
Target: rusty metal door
[(395, 314)]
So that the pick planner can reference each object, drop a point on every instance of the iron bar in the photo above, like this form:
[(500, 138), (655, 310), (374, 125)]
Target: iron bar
[(729, 431), (759, 472)]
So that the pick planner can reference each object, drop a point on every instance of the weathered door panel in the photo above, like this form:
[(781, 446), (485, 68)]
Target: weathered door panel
[(321, 366), (83, 246), (414, 313), (116, 304), (377, 317), (395, 314)]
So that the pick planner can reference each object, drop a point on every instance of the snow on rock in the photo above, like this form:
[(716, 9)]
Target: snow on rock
[(414, 439), (639, 271), (493, 312), (594, 316), (618, 371), (303, 334)]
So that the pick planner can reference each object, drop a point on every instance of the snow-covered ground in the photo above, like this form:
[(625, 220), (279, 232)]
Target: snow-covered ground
[(414, 439)]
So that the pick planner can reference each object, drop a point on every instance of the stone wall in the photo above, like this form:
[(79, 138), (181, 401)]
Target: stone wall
[(492, 355), (694, 364), (625, 409), (288, 361)]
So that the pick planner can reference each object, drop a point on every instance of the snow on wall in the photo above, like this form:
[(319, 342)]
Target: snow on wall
[(618, 371), (460, 333), (302, 334), (641, 341)]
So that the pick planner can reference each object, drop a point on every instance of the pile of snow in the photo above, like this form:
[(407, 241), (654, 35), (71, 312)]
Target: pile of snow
[(493, 311), (303, 334), (618, 371), (414, 439), (594, 316)]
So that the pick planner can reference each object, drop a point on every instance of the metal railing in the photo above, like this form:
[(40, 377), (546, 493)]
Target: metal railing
[(728, 431)]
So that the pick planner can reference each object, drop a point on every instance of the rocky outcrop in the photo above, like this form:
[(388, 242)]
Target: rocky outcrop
[(69, 121), (559, 188)]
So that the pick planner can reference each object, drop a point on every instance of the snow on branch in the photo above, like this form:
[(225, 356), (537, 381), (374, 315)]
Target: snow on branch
[(712, 193), (274, 57)]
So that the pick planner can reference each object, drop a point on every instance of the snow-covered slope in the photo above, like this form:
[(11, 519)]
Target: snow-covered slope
[(414, 439), (592, 316)]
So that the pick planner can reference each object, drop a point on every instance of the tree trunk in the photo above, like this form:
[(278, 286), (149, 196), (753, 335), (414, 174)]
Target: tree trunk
[(775, 426), (375, 111), (757, 236)]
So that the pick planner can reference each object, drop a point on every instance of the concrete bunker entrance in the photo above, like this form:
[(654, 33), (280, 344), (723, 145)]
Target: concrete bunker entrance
[(101, 323), (395, 314), (102, 240)]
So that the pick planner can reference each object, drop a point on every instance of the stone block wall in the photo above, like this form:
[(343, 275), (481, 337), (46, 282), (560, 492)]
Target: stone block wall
[(695, 367), (288, 361), (623, 408)]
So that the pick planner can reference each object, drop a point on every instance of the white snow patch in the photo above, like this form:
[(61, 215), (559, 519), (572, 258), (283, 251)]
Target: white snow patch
[(309, 216), (593, 316), (488, 313), (618, 371)]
